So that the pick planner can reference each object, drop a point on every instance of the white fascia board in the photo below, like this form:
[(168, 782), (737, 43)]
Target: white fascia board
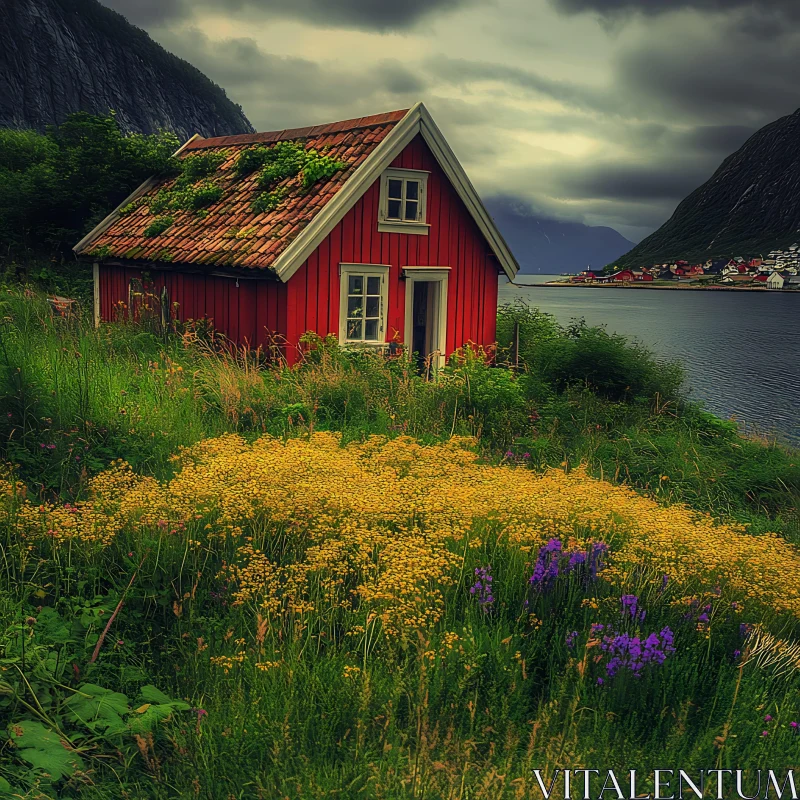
[(293, 257), (466, 191), (101, 227), (417, 120)]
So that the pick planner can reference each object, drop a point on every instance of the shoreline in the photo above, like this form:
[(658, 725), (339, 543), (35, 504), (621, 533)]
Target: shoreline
[(643, 285)]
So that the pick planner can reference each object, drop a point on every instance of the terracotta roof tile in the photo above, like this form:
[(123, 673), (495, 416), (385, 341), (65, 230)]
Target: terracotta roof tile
[(231, 233)]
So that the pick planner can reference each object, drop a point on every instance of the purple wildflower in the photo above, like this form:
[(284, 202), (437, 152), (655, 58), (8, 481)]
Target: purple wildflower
[(794, 726), (553, 560), (767, 718), (482, 588), (595, 558), (626, 652), (600, 681), (629, 604), (736, 654), (546, 568), (571, 637)]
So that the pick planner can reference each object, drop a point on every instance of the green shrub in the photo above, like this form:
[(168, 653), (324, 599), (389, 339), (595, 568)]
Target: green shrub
[(55, 187), (606, 363)]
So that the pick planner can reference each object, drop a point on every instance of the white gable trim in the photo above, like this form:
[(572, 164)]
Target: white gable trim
[(102, 226), (417, 120), (310, 238), (466, 191)]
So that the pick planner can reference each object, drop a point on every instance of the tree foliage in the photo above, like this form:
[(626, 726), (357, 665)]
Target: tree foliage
[(54, 187)]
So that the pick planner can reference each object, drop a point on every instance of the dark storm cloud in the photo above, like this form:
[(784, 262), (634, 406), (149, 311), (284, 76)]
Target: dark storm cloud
[(150, 12), (716, 139), (788, 8), (377, 15), (633, 182), (462, 72), (288, 91), (717, 79)]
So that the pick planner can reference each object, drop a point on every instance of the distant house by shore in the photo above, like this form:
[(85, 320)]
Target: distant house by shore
[(776, 280)]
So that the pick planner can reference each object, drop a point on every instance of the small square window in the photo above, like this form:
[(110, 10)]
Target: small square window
[(403, 201)]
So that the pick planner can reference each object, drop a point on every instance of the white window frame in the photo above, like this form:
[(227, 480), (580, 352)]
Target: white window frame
[(368, 270), (420, 225), (440, 275)]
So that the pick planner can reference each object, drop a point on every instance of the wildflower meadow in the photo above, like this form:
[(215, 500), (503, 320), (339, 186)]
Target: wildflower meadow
[(291, 596)]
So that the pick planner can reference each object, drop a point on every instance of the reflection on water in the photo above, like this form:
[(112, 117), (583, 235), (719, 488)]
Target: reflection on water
[(741, 351)]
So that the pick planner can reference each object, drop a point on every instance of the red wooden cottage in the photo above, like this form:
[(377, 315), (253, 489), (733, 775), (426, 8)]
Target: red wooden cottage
[(390, 242)]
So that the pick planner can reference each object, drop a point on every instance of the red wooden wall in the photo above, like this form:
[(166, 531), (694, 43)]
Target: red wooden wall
[(259, 309), (453, 241), (252, 313)]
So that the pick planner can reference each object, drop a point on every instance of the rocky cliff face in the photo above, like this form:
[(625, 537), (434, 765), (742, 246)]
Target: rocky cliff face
[(750, 205), (60, 56)]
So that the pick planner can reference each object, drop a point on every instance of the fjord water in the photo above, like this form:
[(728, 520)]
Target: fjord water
[(741, 351)]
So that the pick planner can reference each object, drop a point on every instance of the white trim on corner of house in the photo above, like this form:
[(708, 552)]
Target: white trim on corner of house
[(105, 223)]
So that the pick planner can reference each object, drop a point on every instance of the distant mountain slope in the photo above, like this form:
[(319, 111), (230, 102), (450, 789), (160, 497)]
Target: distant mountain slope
[(750, 205), (60, 56), (546, 245)]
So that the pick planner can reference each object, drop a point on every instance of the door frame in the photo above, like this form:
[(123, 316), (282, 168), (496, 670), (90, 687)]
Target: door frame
[(440, 277)]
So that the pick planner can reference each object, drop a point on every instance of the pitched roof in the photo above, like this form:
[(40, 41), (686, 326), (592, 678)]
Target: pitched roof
[(231, 234)]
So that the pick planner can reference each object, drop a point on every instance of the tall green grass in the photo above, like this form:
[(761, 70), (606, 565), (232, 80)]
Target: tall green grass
[(72, 399), (471, 721)]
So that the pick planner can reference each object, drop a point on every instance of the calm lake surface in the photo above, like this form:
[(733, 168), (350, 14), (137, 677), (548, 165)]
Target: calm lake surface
[(741, 351)]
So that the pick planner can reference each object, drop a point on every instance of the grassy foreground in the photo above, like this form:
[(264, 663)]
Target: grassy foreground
[(219, 580)]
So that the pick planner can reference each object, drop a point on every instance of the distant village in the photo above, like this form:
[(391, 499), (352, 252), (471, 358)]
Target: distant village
[(779, 270)]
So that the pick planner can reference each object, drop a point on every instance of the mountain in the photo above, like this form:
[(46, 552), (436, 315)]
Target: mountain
[(750, 205), (547, 245), (60, 56)]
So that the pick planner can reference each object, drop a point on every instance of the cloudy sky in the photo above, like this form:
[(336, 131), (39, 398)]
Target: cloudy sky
[(601, 111)]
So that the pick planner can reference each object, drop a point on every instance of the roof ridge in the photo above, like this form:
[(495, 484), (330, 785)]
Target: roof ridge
[(269, 137)]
